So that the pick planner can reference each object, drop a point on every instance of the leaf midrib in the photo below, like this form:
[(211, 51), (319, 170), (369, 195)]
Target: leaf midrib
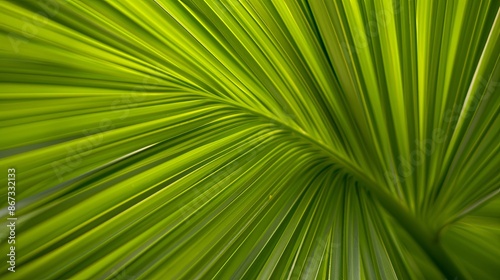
[(420, 233)]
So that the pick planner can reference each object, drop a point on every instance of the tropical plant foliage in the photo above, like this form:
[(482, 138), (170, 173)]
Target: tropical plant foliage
[(329, 139)]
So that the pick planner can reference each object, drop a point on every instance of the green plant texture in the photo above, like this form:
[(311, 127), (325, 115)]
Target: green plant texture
[(250, 139)]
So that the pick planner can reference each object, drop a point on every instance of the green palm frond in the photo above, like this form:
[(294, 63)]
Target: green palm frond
[(252, 139)]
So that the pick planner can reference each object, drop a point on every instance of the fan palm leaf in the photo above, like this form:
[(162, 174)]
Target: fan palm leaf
[(252, 139)]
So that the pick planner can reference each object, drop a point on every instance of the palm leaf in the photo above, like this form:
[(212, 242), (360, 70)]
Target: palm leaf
[(252, 139)]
